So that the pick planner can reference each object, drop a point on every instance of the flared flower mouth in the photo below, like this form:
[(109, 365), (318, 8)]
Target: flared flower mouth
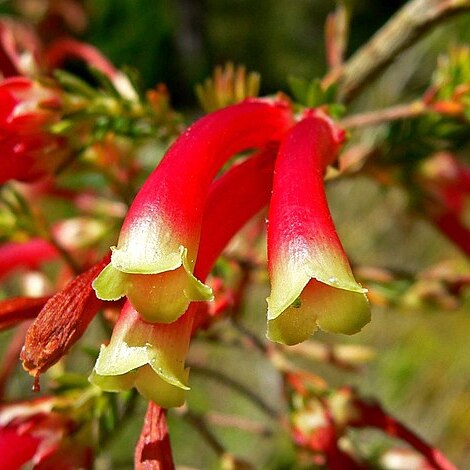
[(312, 284), (154, 296), (150, 358)]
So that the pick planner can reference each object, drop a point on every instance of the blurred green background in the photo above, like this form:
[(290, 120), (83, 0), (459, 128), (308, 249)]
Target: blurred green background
[(422, 370)]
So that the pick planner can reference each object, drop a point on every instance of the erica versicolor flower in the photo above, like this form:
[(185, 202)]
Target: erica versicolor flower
[(27, 150), (66, 49), (445, 191), (311, 281), (157, 249), (151, 356)]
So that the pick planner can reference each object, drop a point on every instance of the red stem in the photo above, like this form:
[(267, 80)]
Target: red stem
[(373, 415)]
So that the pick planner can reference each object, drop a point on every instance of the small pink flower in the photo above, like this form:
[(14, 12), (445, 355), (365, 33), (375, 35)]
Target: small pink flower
[(154, 260), (311, 281)]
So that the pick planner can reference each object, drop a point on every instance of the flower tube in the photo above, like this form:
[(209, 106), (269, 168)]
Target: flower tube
[(151, 356), (154, 260), (311, 281), (64, 49)]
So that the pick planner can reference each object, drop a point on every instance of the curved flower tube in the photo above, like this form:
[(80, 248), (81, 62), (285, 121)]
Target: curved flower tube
[(65, 49), (154, 260), (311, 280), (151, 356), (20, 49)]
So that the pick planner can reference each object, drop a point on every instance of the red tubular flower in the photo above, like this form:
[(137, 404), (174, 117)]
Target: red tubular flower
[(157, 249), (28, 151), (151, 356), (66, 48), (63, 49), (311, 280), (27, 255), (445, 182)]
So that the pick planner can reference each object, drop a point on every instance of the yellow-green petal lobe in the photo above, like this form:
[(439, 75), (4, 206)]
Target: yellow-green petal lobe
[(152, 387), (159, 298), (150, 357), (110, 284), (113, 383), (320, 306), (302, 261), (119, 358)]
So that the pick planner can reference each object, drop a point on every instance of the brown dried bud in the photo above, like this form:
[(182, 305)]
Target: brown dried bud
[(61, 322)]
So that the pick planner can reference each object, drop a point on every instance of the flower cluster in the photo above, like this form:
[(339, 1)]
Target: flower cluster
[(181, 220)]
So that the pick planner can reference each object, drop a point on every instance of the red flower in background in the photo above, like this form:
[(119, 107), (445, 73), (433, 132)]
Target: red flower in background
[(30, 432), (28, 151)]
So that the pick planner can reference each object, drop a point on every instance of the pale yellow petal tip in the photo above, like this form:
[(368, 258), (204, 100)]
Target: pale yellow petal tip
[(149, 384), (144, 261), (112, 383), (195, 289), (159, 298), (152, 387), (281, 299), (178, 380)]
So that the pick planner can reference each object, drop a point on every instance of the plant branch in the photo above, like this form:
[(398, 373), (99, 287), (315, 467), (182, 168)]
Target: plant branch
[(404, 29), (239, 422), (238, 386), (199, 423), (394, 113)]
